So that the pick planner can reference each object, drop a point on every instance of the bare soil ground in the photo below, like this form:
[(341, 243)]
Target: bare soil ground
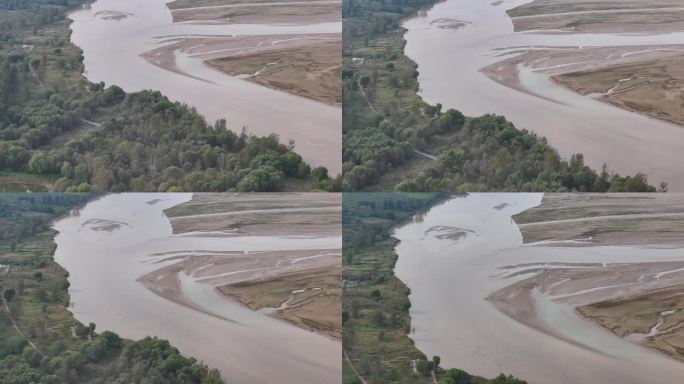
[(302, 287), (647, 16), (649, 83), (653, 87), (641, 301), (647, 80), (640, 313), (315, 305), (181, 4), (304, 65), (312, 71), (259, 214), (608, 219), (307, 12)]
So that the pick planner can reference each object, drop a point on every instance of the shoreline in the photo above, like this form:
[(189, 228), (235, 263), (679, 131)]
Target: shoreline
[(214, 94)]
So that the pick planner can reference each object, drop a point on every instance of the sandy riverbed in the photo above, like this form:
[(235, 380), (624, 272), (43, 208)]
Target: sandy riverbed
[(302, 287)]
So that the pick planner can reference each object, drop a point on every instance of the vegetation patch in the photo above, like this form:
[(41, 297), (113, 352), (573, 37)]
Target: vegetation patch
[(375, 304), (40, 341)]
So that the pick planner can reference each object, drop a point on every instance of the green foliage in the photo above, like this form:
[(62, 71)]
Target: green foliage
[(8, 294), (456, 376), (377, 324), (424, 367)]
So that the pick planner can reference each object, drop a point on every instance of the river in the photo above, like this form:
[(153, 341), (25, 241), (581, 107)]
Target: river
[(455, 256), (113, 241), (454, 40), (113, 35)]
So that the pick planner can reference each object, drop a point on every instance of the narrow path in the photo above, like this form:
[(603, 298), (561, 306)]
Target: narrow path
[(261, 4), (426, 155), (601, 11), (94, 124), (16, 327), (35, 75), (434, 377), (365, 96), (358, 375), (633, 216)]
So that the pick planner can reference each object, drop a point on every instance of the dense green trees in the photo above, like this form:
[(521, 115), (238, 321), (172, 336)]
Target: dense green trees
[(106, 358), (8, 294)]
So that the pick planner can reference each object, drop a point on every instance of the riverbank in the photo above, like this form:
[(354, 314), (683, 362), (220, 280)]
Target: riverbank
[(38, 308), (312, 71), (256, 11), (306, 65), (587, 16), (171, 57)]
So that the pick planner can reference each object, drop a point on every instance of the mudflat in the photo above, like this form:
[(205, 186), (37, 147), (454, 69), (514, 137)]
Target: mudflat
[(312, 69), (316, 11), (616, 16), (653, 86), (304, 65), (613, 219), (648, 80), (641, 302), (302, 287)]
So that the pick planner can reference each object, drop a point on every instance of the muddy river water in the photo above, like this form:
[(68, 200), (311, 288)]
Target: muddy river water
[(111, 242), (462, 251), (453, 41), (113, 35)]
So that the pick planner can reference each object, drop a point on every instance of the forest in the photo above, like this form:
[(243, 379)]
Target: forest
[(393, 140), (375, 318), (40, 341), (59, 132)]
